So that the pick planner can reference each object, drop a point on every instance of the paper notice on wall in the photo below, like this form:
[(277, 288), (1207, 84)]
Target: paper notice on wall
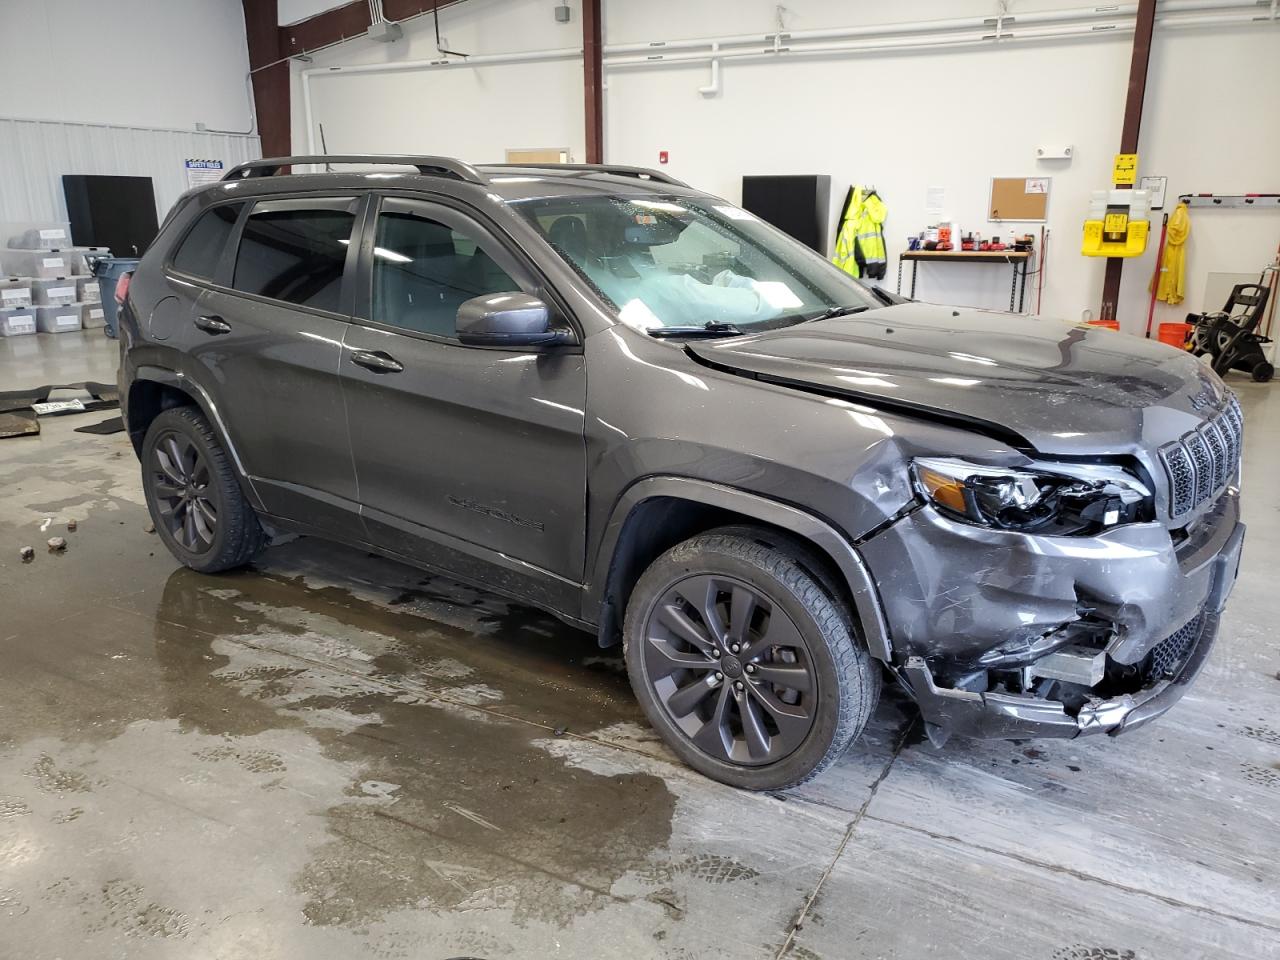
[(1037, 185), (200, 172), (935, 201), (1156, 187)]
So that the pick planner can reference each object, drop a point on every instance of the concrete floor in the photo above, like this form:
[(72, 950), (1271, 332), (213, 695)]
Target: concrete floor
[(334, 756)]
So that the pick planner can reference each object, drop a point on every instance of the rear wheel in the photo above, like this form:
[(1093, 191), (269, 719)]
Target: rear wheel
[(194, 498), (1263, 371), (749, 670)]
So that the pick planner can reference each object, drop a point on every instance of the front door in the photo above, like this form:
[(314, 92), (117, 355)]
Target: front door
[(468, 458)]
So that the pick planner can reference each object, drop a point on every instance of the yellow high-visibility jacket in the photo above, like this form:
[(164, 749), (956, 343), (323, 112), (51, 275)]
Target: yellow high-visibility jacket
[(860, 239), (1171, 281)]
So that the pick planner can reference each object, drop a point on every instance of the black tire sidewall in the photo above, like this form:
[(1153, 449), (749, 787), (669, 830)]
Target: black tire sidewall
[(814, 752), (178, 421)]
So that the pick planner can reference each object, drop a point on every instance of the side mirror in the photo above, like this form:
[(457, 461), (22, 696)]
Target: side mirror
[(507, 320)]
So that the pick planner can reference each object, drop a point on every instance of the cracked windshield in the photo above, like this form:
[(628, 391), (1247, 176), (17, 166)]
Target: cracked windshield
[(670, 266)]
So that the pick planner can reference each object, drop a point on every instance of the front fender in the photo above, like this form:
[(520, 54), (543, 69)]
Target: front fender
[(813, 530)]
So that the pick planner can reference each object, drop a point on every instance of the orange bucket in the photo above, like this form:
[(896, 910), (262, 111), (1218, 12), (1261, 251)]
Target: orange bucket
[(1108, 324), (1174, 334)]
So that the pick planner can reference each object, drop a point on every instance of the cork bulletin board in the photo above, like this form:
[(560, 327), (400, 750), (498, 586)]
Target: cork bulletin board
[(1024, 199)]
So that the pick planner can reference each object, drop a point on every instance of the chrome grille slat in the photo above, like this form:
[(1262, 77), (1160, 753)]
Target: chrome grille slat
[(1218, 451), (1204, 461)]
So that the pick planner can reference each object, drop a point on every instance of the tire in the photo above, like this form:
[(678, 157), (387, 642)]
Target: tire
[(1263, 371), (193, 495), (749, 728)]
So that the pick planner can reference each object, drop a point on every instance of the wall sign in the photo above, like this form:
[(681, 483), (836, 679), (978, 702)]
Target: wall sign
[(200, 172)]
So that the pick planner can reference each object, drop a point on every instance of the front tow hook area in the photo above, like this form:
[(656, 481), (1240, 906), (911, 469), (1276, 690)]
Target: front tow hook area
[(998, 715)]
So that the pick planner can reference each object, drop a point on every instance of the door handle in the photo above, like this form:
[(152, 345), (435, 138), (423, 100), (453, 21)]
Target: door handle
[(214, 325), (377, 361)]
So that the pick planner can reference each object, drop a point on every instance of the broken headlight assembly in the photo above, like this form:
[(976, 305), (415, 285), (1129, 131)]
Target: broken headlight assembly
[(1052, 500)]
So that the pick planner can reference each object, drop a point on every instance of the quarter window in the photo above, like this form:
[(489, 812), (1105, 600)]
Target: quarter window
[(202, 247), (295, 251), (423, 270)]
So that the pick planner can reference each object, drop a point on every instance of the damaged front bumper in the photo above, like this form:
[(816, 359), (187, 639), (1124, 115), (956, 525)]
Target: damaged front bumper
[(972, 616), (1007, 716)]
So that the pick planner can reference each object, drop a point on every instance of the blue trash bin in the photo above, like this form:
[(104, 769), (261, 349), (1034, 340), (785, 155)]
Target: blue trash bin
[(108, 270)]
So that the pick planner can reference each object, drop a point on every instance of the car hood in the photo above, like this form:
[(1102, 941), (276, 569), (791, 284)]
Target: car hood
[(1039, 383)]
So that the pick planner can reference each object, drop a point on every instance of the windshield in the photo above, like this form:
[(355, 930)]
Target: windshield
[(666, 264)]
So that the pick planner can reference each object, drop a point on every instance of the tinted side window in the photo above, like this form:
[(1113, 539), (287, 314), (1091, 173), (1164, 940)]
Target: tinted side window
[(201, 248), (423, 270), (295, 250)]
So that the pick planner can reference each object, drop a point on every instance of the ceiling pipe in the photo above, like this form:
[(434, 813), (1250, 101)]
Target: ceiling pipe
[(1076, 24), (1108, 12), (711, 89)]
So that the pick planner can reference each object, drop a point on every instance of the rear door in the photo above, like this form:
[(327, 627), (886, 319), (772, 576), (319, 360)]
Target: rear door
[(462, 453), (267, 337)]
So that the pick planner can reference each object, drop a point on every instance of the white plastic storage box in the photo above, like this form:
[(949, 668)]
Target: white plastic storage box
[(15, 292), (53, 293), (49, 236), (91, 317), (45, 264), (88, 291), (58, 319), (17, 323)]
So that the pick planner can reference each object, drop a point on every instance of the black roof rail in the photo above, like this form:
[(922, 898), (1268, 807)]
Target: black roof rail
[(640, 173), (427, 166)]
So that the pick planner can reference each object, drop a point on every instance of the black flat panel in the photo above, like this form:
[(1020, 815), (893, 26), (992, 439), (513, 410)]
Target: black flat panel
[(115, 212), (795, 204)]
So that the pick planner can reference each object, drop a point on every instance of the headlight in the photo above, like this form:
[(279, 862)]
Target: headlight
[(1056, 500)]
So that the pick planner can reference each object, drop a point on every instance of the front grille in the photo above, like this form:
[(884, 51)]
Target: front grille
[(1172, 652), (1203, 462)]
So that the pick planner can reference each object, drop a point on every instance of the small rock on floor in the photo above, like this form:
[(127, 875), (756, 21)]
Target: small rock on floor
[(27, 553), (57, 543)]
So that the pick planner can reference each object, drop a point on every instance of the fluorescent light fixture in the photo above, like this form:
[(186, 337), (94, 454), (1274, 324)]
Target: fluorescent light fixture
[(391, 255)]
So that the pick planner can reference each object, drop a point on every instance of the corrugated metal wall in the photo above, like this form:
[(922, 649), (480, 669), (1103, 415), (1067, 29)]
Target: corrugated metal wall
[(34, 154)]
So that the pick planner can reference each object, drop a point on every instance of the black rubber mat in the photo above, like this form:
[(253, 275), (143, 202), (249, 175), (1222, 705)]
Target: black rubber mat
[(113, 425), (21, 399)]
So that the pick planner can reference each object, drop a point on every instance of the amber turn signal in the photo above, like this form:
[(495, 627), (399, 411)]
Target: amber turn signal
[(942, 490)]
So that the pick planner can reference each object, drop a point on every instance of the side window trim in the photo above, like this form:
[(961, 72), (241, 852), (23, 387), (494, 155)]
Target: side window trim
[(360, 199), (452, 217), (232, 242)]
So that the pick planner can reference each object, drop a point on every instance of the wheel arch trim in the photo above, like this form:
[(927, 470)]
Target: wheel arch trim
[(822, 535), (184, 384)]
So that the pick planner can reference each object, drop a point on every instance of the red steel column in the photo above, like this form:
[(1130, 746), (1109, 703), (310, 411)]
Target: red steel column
[(593, 79), (1129, 133)]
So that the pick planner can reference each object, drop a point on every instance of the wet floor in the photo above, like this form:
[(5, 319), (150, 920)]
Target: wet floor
[(332, 755)]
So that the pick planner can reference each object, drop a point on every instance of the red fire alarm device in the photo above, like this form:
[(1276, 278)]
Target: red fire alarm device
[(662, 156)]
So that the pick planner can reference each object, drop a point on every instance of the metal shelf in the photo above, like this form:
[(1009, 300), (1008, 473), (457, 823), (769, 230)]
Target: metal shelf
[(1243, 200)]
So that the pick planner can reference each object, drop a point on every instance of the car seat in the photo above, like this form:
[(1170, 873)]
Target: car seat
[(569, 235)]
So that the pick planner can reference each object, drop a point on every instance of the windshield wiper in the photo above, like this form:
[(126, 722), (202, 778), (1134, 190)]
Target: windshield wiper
[(846, 311), (709, 329)]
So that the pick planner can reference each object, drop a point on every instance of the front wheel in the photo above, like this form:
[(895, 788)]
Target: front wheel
[(746, 666)]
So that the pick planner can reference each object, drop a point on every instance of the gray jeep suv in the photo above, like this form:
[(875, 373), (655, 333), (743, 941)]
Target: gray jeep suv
[(600, 392)]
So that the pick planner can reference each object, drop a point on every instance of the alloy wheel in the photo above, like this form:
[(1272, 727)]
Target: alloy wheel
[(180, 481), (731, 669)]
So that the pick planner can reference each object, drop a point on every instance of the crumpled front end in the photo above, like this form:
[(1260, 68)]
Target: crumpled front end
[(999, 634)]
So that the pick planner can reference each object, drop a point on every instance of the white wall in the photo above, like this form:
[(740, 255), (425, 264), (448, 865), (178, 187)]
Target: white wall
[(137, 63), (903, 121), (117, 88), (471, 112)]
